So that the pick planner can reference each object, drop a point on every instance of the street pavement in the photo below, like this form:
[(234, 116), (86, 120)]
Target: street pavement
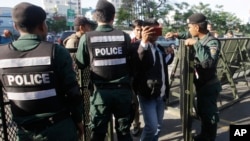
[(233, 112)]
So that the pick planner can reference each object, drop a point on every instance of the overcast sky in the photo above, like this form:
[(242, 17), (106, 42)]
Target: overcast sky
[(242, 10)]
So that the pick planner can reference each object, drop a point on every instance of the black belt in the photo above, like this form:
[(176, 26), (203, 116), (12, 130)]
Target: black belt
[(111, 85), (47, 122)]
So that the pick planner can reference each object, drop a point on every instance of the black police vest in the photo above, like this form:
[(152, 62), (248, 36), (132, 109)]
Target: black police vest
[(108, 54), (28, 79)]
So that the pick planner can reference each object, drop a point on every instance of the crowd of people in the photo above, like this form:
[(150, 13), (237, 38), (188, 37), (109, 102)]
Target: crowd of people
[(128, 73)]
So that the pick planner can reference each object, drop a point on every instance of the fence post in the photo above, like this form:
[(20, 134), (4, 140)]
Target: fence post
[(3, 117)]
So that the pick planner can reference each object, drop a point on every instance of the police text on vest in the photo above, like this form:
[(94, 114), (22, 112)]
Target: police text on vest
[(28, 79), (108, 51)]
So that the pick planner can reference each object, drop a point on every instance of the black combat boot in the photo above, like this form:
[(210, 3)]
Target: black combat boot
[(208, 132)]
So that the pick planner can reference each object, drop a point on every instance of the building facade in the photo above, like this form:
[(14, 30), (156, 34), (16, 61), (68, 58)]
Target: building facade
[(6, 20), (61, 6)]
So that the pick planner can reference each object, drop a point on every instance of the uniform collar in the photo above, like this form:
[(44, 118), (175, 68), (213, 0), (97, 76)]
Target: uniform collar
[(204, 38), (26, 42), (106, 27), (30, 37)]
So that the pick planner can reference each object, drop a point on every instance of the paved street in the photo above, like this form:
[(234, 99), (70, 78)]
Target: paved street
[(238, 113), (231, 112)]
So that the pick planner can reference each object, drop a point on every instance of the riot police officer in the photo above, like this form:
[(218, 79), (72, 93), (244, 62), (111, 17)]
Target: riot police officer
[(106, 51), (208, 87), (39, 81)]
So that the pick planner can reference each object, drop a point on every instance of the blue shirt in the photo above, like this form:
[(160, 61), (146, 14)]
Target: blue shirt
[(5, 40)]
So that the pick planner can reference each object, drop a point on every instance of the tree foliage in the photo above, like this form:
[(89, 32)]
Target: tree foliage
[(142, 9), (160, 9), (123, 15), (57, 23)]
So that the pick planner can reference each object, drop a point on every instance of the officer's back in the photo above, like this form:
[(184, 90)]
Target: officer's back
[(39, 81), (105, 51)]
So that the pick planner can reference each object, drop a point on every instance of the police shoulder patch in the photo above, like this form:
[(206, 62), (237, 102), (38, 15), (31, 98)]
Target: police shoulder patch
[(213, 50)]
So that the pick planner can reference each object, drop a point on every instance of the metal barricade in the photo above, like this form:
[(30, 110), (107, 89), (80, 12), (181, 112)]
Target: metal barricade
[(7, 126), (186, 90), (233, 66)]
